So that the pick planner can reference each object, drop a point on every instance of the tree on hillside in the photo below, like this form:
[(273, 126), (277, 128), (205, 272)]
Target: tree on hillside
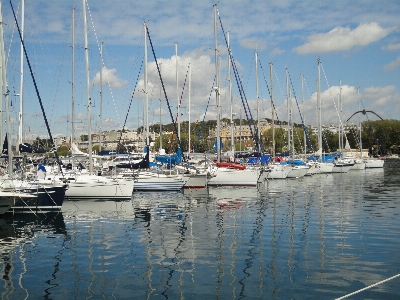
[(63, 151), (96, 148)]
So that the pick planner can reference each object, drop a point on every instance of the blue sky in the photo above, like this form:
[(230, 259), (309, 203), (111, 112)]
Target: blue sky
[(358, 43)]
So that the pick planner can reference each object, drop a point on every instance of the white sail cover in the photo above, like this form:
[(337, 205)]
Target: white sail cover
[(78, 153)]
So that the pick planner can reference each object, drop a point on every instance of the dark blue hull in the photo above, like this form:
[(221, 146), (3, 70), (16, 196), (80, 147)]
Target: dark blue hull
[(44, 199)]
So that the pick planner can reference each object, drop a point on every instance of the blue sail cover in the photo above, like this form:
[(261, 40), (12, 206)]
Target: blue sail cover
[(221, 145), (170, 160), (255, 160), (296, 162), (325, 158), (328, 158), (25, 147)]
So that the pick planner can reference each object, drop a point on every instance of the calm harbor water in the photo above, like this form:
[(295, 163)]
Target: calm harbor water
[(319, 237)]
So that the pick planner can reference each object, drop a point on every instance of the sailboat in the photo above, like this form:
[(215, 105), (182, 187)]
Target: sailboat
[(142, 177), (299, 168), (86, 185), (275, 169), (321, 165), (177, 175), (369, 162), (341, 165), (359, 164), (228, 174), (196, 178), (37, 195)]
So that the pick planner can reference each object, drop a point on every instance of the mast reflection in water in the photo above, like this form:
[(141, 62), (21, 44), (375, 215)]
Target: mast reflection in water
[(317, 237)]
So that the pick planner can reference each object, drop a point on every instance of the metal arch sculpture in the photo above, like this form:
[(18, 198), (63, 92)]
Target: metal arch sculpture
[(364, 112)]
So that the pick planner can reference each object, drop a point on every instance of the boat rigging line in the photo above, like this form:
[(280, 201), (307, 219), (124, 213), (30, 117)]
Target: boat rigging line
[(273, 104), (205, 113), (165, 93), (37, 91), (301, 116), (102, 63), (241, 89), (179, 104), (130, 103)]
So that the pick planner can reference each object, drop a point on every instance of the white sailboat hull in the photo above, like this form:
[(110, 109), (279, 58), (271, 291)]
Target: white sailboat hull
[(278, 171), (158, 185), (342, 167), (358, 165), (234, 177), (97, 187), (320, 167), (298, 171), (153, 181), (196, 181)]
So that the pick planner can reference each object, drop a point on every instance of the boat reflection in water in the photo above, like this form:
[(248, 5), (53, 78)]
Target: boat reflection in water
[(19, 235)]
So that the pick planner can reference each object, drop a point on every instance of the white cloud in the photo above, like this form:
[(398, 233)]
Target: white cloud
[(253, 43), (277, 51), (382, 100), (156, 112), (109, 78), (392, 65), (393, 47), (343, 38), (374, 92), (109, 124), (202, 75)]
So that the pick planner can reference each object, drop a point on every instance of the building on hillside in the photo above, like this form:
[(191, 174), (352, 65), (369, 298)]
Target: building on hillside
[(241, 133), (110, 139), (355, 153), (334, 128)]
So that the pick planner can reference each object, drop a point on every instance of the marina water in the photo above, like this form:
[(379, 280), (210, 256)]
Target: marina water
[(319, 237)]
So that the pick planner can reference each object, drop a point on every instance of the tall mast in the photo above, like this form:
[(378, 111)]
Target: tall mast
[(101, 94), (190, 83), (160, 114), (273, 110), (88, 89), (304, 120), (359, 121), (177, 91), (1, 73), (73, 78), (216, 88), (319, 111), (146, 103), (340, 120), (289, 123), (6, 94), (240, 130), (22, 73), (291, 118), (258, 104), (230, 97)]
